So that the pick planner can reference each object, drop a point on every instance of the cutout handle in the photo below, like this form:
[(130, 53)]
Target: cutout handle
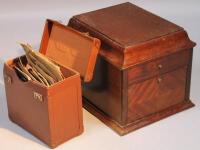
[(8, 79)]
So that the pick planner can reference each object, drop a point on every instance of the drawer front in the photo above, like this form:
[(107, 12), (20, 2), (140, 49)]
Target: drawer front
[(158, 66), (156, 94)]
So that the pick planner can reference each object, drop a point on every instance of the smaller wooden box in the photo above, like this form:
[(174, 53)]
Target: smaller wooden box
[(53, 114), (143, 68)]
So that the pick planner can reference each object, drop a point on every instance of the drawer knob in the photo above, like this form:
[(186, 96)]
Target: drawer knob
[(160, 66), (159, 80)]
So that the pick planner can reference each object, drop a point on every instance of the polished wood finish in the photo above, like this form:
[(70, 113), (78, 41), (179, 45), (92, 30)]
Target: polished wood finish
[(137, 124), (162, 65), (136, 36), (156, 94), (144, 68), (105, 88), (120, 102)]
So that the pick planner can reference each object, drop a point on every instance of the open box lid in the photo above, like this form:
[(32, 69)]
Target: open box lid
[(70, 48)]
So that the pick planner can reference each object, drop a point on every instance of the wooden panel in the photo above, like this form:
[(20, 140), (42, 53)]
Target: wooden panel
[(156, 94), (122, 130), (189, 71), (132, 88), (158, 66), (104, 91), (137, 39)]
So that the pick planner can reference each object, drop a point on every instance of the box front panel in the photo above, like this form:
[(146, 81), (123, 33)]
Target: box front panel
[(158, 66), (156, 94), (25, 106)]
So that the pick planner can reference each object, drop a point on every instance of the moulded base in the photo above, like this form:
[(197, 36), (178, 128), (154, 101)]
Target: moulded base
[(122, 130)]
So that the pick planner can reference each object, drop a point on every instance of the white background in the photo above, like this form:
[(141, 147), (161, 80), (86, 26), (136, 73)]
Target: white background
[(23, 20)]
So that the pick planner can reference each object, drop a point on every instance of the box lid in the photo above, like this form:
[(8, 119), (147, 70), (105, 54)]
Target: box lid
[(130, 29), (70, 48)]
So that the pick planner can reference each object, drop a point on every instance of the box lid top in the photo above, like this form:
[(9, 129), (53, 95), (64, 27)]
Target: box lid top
[(70, 48), (127, 25), (131, 35)]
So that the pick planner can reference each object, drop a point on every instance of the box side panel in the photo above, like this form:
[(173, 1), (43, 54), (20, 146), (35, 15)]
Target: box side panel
[(124, 92), (189, 71), (104, 91), (65, 110), (24, 108)]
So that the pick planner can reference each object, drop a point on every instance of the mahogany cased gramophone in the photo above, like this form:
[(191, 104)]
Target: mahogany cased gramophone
[(143, 69)]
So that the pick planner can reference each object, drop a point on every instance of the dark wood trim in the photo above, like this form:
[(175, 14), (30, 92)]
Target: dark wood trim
[(124, 99), (188, 80)]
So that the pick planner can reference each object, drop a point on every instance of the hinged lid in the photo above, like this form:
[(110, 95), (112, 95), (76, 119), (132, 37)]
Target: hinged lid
[(70, 48), (128, 24), (131, 35)]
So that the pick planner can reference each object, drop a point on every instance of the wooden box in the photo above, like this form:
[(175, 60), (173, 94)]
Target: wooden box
[(53, 114), (143, 69)]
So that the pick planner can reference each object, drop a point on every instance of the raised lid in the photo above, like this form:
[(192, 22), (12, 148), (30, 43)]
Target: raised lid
[(126, 24), (70, 48)]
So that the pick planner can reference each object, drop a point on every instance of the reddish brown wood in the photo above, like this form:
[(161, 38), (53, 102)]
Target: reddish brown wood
[(155, 48), (189, 71), (105, 89), (139, 49), (123, 130), (159, 66), (137, 40), (128, 25), (156, 94)]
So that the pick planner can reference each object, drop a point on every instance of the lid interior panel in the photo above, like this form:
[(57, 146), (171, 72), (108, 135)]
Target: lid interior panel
[(70, 48)]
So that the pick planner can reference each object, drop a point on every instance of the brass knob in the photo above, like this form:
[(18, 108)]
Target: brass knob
[(159, 80), (160, 66)]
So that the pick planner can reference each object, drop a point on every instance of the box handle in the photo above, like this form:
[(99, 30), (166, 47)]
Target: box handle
[(37, 96), (8, 79)]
